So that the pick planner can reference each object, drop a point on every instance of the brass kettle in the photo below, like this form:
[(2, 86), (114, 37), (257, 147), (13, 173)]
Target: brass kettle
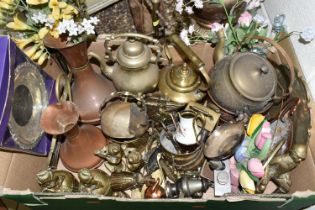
[(246, 82), (121, 119), (134, 66), (182, 83)]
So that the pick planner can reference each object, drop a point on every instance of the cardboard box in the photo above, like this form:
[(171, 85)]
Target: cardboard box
[(17, 178)]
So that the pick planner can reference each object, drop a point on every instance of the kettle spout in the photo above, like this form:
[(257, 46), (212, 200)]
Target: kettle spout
[(106, 69), (218, 53)]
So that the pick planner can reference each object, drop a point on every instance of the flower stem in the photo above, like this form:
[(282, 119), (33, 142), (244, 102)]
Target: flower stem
[(229, 22)]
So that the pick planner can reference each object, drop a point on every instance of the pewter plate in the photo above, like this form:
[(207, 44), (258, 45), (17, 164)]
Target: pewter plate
[(29, 99)]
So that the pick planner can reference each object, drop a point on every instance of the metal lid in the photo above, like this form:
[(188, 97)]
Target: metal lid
[(253, 76), (133, 54), (183, 79)]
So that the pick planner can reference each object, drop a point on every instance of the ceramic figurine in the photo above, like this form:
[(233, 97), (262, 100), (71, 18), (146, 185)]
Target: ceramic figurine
[(57, 181), (247, 183), (256, 168)]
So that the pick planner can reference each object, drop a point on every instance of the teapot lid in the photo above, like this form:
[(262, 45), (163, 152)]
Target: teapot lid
[(183, 79), (133, 54), (253, 76)]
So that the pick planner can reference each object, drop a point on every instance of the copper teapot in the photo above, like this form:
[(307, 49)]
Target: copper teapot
[(134, 67), (246, 82), (183, 83)]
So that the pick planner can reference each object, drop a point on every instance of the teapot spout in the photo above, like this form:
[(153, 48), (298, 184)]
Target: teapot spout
[(106, 69), (218, 53)]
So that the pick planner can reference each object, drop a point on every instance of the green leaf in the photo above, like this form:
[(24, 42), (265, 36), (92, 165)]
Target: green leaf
[(241, 33)]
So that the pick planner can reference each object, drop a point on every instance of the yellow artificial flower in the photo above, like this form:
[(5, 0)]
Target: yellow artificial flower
[(68, 12), (37, 54), (42, 58), (7, 1), (56, 7), (18, 25), (54, 33), (31, 51), (22, 43), (36, 2), (4, 5), (42, 32)]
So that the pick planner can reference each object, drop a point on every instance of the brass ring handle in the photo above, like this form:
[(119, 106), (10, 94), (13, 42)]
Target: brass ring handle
[(133, 35), (120, 95), (191, 55), (67, 92), (285, 56), (202, 119)]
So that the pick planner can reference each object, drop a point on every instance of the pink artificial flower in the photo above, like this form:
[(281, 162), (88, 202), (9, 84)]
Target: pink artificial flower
[(215, 27), (245, 19)]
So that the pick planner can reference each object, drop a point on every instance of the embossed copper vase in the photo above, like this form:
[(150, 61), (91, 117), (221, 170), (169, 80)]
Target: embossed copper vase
[(89, 89)]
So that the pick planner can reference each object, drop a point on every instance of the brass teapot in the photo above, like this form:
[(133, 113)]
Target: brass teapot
[(246, 82), (134, 66), (182, 83)]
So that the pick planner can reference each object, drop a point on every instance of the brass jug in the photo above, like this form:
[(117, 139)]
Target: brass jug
[(134, 66), (182, 83)]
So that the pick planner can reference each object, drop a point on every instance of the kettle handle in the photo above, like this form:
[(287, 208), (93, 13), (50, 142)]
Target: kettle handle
[(191, 55), (120, 95), (109, 37), (287, 59)]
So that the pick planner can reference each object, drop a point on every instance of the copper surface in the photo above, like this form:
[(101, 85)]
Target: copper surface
[(77, 151), (89, 89)]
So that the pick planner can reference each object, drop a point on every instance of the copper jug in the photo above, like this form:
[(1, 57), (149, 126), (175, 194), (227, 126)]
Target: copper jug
[(89, 89)]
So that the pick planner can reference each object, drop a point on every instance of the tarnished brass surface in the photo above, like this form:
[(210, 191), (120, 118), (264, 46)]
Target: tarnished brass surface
[(57, 181), (134, 67), (94, 181), (127, 180)]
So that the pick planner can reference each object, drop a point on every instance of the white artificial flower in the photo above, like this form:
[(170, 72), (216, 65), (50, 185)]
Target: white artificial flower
[(50, 22), (94, 20), (215, 27), (260, 20), (189, 10), (80, 29), (198, 4), (88, 27), (191, 29), (39, 18), (62, 27), (252, 4), (184, 36), (73, 31), (308, 34), (179, 6)]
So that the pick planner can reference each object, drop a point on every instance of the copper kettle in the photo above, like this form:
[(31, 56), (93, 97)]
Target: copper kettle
[(246, 82), (133, 67), (182, 83)]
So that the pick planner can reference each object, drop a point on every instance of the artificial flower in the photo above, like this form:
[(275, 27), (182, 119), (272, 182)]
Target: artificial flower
[(55, 33), (252, 4), (32, 50), (56, 6), (4, 5), (215, 27), (198, 4), (179, 6), (245, 19), (50, 21), (308, 34), (88, 27), (22, 43), (38, 54), (36, 2), (42, 58), (42, 32), (189, 10), (39, 18), (8, 1), (260, 20), (184, 36), (191, 29), (94, 20), (18, 25)]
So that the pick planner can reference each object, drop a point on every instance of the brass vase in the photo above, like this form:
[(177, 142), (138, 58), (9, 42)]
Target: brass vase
[(88, 89)]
